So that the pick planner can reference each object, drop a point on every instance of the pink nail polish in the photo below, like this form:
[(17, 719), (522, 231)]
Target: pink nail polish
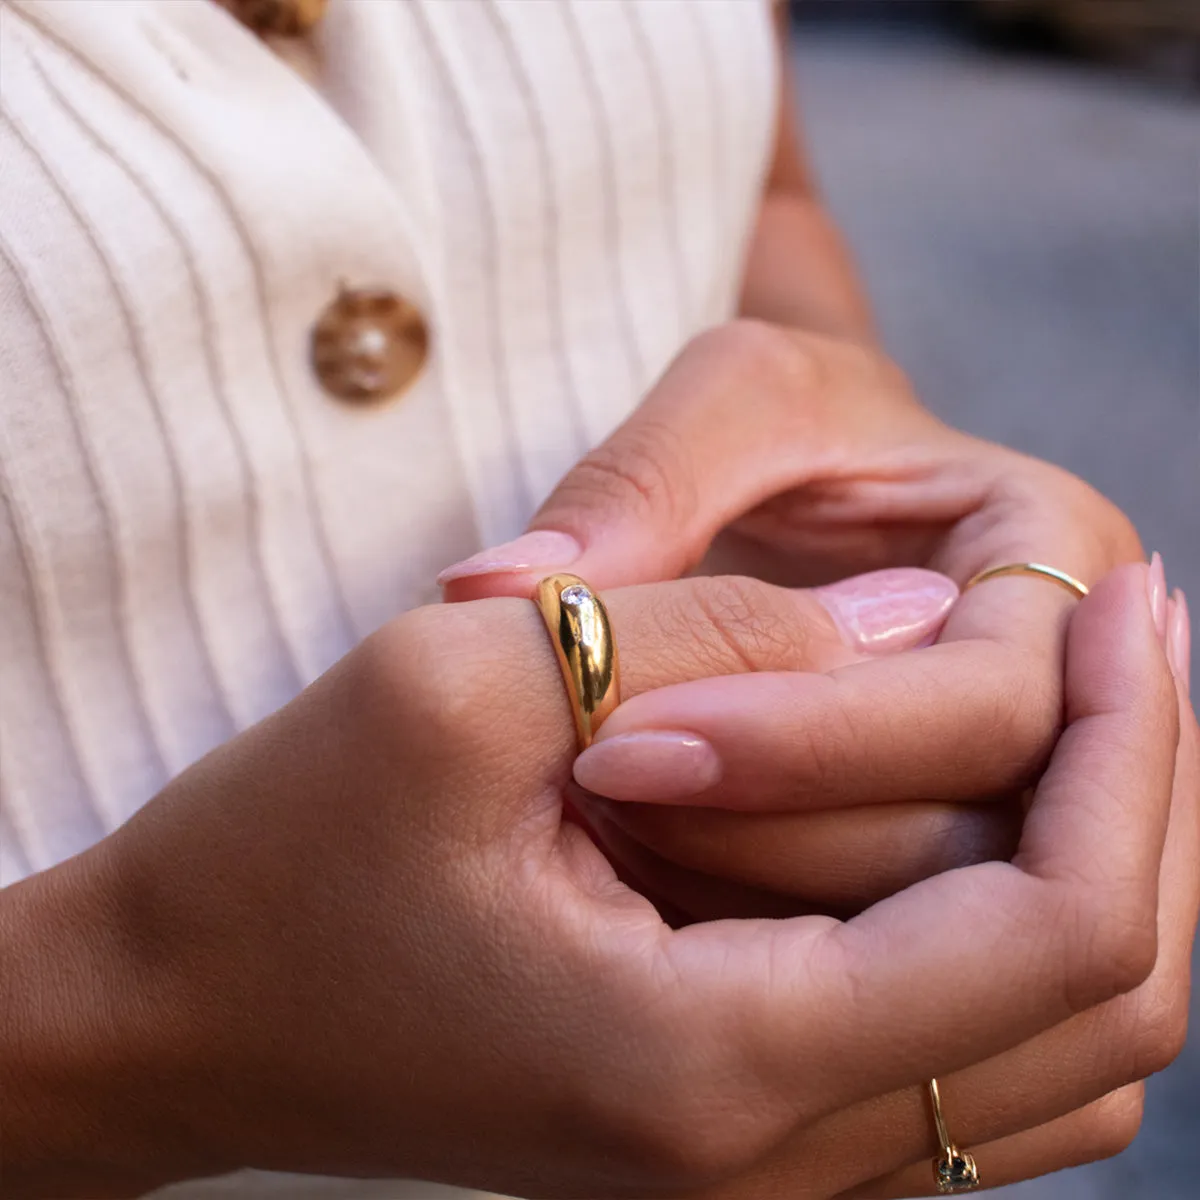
[(654, 766), (1179, 639), (890, 610), (1156, 586), (542, 550)]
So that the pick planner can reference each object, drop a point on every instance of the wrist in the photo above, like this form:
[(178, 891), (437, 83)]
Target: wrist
[(91, 1101), (800, 274)]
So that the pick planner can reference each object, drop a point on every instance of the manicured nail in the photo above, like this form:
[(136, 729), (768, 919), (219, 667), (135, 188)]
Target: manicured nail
[(655, 766), (1156, 586), (1179, 640), (889, 610), (542, 550)]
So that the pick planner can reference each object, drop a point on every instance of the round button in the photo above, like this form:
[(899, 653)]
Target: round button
[(279, 18), (369, 345)]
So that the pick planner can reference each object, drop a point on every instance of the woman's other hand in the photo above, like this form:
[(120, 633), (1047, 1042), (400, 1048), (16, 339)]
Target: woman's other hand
[(1071, 1094), (361, 939)]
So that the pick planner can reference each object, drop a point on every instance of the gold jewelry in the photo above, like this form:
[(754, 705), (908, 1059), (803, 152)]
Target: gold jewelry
[(585, 648), (1077, 589), (954, 1170)]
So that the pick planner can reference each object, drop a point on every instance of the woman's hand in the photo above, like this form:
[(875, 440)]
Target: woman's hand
[(361, 939), (182, 971), (801, 458)]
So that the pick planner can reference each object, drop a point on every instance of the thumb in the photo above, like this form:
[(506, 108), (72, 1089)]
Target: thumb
[(731, 423)]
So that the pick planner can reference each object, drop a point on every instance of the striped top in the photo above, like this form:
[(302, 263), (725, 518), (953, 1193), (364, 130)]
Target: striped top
[(191, 529)]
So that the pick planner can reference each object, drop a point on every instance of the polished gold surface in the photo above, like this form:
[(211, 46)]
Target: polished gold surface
[(584, 646), (1069, 582), (954, 1170)]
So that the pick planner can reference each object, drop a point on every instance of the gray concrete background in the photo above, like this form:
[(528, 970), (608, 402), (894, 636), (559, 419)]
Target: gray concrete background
[(1031, 235)]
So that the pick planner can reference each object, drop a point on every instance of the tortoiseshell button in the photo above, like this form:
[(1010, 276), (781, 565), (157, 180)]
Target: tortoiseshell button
[(369, 345), (278, 18)]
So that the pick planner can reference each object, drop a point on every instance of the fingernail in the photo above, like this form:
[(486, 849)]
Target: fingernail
[(1156, 586), (655, 766), (542, 550), (889, 610), (1179, 640)]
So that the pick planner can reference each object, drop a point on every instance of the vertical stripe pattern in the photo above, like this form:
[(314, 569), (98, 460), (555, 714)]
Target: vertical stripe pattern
[(191, 530)]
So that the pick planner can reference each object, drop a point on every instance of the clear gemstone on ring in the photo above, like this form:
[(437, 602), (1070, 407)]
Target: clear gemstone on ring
[(575, 596)]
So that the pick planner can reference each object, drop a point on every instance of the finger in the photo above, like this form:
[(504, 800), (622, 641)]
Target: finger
[(1059, 1071), (683, 896), (1179, 643), (964, 721), (1068, 925), (960, 722), (1100, 1130), (745, 412), (1027, 615), (692, 628), (830, 860), (1081, 533), (667, 633)]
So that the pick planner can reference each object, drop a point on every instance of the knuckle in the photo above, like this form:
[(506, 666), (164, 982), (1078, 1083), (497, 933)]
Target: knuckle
[(425, 673), (1130, 950), (1033, 713), (1123, 542), (1115, 951), (396, 680), (1016, 711), (766, 353), (1160, 1030), (380, 664), (741, 621), (1115, 1122), (1105, 536), (805, 372), (807, 376), (1116, 534)]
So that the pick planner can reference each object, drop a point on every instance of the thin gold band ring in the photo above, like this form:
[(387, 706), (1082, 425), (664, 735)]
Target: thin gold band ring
[(954, 1170), (585, 648), (1069, 582)]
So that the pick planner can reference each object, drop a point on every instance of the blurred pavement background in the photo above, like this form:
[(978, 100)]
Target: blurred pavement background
[(1030, 231)]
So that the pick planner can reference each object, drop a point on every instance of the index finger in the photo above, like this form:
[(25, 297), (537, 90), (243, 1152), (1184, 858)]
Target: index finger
[(967, 719)]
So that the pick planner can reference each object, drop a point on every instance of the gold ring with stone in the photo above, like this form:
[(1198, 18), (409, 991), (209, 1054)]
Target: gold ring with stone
[(954, 1170), (585, 648), (1069, 582)]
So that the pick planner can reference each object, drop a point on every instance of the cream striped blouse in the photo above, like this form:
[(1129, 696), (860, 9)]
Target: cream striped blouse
[(190, 527)]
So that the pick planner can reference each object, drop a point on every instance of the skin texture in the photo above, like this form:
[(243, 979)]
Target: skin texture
[(338, 941), (361, 939)]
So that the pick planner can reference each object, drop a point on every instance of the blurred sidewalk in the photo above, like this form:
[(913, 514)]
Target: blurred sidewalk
[(1031, 235)]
